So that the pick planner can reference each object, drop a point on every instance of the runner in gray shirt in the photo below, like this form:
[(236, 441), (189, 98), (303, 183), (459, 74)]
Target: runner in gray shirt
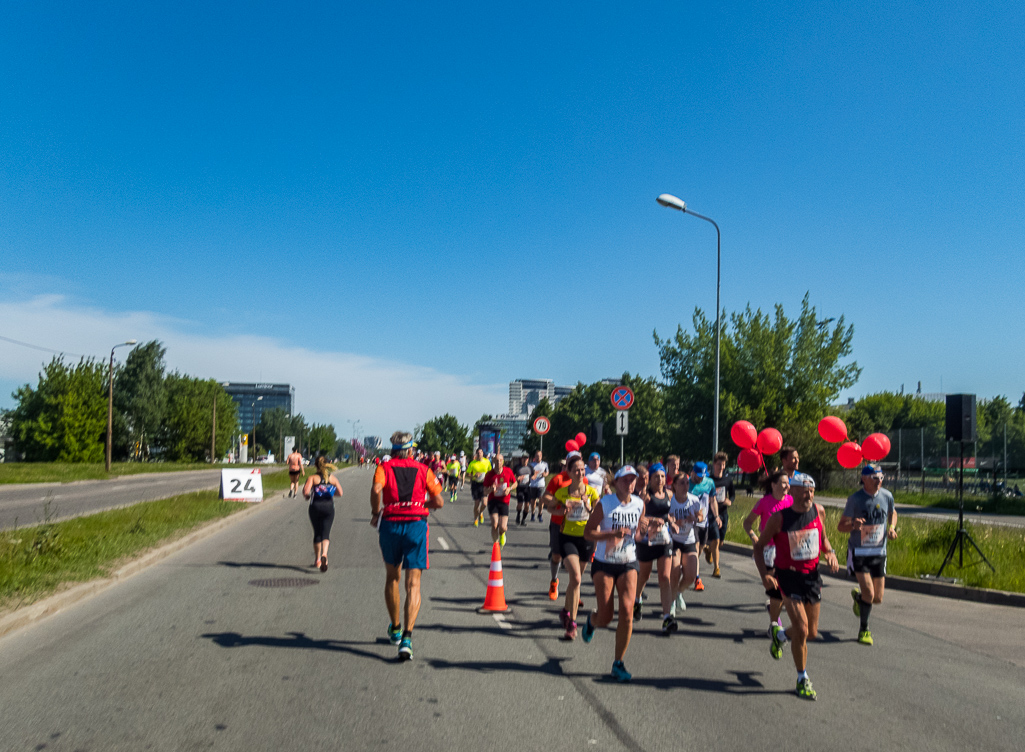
[(871, 520)]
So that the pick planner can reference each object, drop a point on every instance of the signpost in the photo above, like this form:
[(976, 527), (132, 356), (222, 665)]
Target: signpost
[(542, 426), (622, 400), (241, 485)]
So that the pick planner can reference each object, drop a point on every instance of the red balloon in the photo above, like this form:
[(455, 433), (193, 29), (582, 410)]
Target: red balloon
[(832, 429), (581, 439), (749, 460), (744, 435), (876, 446), (769, 441), (849, 455), (572, 446)]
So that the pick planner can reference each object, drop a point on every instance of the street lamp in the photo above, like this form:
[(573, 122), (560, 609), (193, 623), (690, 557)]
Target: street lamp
[(110, 399), (673, 202), (253, 406)]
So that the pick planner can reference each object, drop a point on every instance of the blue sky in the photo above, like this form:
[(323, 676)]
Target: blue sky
[(414, 200)]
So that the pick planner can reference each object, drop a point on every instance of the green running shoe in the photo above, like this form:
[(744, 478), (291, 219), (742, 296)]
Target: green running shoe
[(406, 650), (394, 634), (776, 648), (501, 540), (587, 632), (865, 637), (804, 690), (619, 672), (856, 595)]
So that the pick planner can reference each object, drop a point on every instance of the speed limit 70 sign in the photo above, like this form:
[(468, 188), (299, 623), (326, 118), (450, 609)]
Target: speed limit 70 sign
[(542, 425)]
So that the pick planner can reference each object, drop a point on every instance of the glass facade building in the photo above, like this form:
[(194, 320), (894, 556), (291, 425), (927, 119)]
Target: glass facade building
[(253, 399)]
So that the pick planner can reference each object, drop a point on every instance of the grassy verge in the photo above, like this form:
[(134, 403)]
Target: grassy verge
[(37, 561), (921, 546), (65, 472), (944, 501)]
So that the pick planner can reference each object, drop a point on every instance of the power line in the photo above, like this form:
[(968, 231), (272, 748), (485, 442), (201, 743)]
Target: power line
[(44, 349)]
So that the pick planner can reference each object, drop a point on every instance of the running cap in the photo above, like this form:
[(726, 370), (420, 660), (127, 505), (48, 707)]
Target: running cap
[(701, 470), (658, 467), (571, 455), (400, 447), (386, 458), (462, 454), (871, 470), (624, 471), (802, 480), (594, 455)]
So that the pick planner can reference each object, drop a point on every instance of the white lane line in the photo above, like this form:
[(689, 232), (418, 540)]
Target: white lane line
[(501, 621), (443, 543)]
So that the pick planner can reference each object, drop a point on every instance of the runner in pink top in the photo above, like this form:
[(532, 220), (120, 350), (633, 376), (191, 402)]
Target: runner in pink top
[(777, 497)]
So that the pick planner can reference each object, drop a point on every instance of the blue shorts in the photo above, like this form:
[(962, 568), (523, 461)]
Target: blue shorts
[(405, 543)]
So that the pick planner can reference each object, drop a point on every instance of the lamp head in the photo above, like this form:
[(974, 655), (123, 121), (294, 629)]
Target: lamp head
[(668, 199), (131, 342)]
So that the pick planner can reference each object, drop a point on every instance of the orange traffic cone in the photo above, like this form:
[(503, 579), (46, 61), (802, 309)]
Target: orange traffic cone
[(494, 599)]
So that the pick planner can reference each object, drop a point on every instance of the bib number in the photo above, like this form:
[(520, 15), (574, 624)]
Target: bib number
[(769, 556), (804, 544), (720, 494), (620, 551), (577, 512), (661, 538), (872, 535)]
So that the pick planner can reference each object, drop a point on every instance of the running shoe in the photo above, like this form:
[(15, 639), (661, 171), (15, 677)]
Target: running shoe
[(532, 516), (476, 521), (563, 618), (637, 610), (708, 554), (571, 630), (501, 540), (553, 589), (394, 634), (716, 574), (406, 649), (856, 595), (669, 625), (587, 632), (865, 637), (699, 585), (540, 517), (776, 648), (323, 563), (680, 604), (619, 672), (804, 690)]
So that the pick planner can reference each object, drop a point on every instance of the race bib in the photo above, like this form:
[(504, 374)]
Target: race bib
[(769, 556), (620, 551), (720, 494), (661, 538), (500, 489), (479, 477), (578, 513), (804, 544), (872, 535)]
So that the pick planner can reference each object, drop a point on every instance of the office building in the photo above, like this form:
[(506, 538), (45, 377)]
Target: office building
[(253, 399)]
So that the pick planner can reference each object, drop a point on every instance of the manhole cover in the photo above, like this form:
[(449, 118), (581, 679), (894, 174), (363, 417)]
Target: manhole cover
[(285, 582)]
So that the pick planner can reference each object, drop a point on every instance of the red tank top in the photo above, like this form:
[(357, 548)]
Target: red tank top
[(799, 540), (405, 490)]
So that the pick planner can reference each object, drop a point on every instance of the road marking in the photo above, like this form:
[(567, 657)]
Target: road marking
[(501, 621), (443, 543)]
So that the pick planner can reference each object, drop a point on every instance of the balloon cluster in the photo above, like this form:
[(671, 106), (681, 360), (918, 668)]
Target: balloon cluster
[(850, 454), (753, 444), (576, 443)]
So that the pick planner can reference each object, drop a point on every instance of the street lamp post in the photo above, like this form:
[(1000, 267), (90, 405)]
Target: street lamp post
[(254, 427), (673, 202), (110, 400)]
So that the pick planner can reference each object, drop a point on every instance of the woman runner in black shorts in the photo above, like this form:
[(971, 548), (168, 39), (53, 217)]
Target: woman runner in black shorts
[(320, 489)]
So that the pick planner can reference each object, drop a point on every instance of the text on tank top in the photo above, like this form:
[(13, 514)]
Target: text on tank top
[(799, 540)]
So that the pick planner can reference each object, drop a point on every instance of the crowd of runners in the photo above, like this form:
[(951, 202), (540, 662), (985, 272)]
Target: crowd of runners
[(621, 524)]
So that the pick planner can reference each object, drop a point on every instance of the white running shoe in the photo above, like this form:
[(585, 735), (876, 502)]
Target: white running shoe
[(680, 605)]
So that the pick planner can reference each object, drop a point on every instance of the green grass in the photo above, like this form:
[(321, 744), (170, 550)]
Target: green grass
[(37, 561), (921, 546), (943, 501), (65, 472)]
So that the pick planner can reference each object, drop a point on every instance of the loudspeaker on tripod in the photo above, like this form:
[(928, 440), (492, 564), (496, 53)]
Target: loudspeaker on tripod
[(961, 417)]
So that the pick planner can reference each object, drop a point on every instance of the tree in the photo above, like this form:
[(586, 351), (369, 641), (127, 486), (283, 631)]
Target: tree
[(444, 434), (275, 424), (774, 372), (322, 439), (184, 433), (140, 398), (64, 418)]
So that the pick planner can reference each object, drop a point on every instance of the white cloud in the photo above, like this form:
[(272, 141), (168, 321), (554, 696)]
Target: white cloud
[(331, 387)]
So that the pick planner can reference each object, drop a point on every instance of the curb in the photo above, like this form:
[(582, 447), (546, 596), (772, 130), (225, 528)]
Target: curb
[(912, 585), (22, 617)]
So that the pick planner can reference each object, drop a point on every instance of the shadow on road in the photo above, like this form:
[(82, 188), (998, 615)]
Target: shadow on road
[(295, 640), (263, 565), (552, 667)]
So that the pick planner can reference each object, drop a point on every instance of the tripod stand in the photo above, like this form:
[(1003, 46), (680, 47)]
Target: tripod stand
[(961, 535)]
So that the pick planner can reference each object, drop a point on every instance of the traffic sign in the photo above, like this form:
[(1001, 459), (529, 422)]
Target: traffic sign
[(623, 423), (622, 398), (542, 425)]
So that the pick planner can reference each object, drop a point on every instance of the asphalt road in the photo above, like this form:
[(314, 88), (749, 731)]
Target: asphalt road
[(194, 653), (32, 503)]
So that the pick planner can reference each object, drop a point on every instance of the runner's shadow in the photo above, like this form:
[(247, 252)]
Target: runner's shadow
[(746, 684), (296, 640), (262, 565), (551, 667)]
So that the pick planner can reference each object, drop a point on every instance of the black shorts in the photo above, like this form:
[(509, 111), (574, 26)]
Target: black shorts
[(687, 548), (496, 506), (612, 570), (453, 481), (293, 475), (476, 490), (322, 514), (774, 593), (717, 530), (702, 533), (575, 545), (534, 493), (872, 565), (800, 587), (648, 553)]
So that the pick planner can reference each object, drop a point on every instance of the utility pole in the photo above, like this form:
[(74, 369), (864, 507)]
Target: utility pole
[(213, 434)]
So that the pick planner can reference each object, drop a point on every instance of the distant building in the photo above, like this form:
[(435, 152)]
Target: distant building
[(253, 399), (372, 443), (514, 430)]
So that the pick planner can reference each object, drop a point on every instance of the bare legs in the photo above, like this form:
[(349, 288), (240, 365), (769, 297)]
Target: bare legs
[(573, 569), (684, 571), (320, 550), (391, 595), (804, 626), (499, 525), (604, 587)]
